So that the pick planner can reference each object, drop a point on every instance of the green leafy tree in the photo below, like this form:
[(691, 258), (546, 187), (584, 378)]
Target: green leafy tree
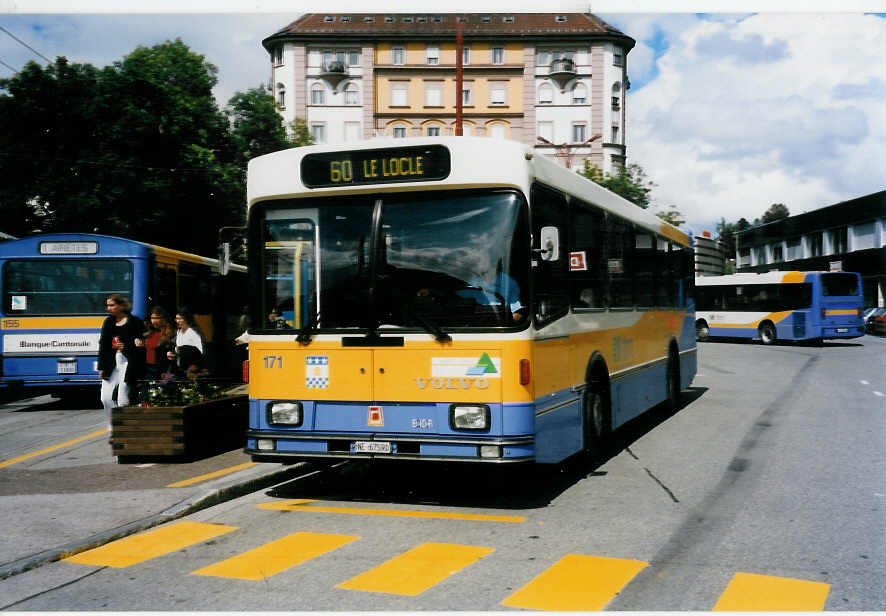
[(300, 134), (776, 211), (671, 215), (256, 125), (630, 182)]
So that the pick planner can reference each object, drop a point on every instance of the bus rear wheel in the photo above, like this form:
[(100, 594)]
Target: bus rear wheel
[(702, 331), (597, 424), (767, 333)]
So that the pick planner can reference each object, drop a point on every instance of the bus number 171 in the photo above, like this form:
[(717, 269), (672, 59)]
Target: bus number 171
[(273, 361)]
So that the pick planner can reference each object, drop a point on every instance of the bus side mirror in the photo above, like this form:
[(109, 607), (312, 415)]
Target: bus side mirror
[(224, 259), (550, 244)]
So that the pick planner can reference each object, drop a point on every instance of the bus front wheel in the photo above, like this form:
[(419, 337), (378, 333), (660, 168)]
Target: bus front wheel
[(767, 333), (597, 422)]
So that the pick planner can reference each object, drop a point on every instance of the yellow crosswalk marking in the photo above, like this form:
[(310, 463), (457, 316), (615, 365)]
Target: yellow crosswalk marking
[(420, 568), (150, 544), (309, 506), (276, 556), (576, 582), (748, 592)]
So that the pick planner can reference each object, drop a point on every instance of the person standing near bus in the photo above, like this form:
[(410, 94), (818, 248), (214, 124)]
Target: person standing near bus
[(121, 353), (188, 341), (159, 340)]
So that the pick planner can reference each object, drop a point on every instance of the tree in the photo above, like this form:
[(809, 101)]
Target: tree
[(776, 211), (672, 216), (256, 125), (630, 182), (300, 133)]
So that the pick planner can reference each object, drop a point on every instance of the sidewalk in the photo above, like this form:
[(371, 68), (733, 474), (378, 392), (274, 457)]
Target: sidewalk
[(77, 497)]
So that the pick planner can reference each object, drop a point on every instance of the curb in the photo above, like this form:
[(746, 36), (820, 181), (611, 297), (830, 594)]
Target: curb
[(214, 495)]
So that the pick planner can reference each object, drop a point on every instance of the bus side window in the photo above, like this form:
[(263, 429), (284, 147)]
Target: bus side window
[(549, 209), (164, 289), (620, 262), (587, 274)]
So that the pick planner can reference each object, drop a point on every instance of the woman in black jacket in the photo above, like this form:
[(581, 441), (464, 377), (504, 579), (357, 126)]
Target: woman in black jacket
[(121, 352)]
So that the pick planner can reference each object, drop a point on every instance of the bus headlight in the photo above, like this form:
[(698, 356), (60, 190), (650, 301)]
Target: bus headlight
[(285, 413), (469, 417)]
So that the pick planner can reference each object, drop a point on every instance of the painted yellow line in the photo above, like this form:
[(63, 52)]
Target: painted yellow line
[(576, 582), (34, 454), (212, 475), (276, 556), (150, 544), (748, 592), (308, 506), (417, 570)]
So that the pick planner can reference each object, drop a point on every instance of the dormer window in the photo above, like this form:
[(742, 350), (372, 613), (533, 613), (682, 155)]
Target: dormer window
[(508, 19), (389, 19), (437, 19), (329, 19), (368, 19), (561, 18), (407, 20), (486, 19), (421, 20), (345, 19)]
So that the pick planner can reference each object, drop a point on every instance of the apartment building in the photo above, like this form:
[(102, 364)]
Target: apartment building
[(555, 81), (848, 236)]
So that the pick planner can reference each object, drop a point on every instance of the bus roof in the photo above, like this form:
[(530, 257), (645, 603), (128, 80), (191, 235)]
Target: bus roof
[(476, 162), (752, 278)]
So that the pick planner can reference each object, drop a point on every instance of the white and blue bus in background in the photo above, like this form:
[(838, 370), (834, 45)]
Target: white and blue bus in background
[(772, 306), (53, 289)]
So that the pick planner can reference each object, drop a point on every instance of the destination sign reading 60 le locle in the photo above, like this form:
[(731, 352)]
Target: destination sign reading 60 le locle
[(381, 166)]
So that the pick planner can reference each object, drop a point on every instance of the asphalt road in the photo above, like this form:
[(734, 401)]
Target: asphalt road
[(765, 491)]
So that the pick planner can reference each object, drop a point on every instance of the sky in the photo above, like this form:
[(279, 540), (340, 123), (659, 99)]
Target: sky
[(729, 111)]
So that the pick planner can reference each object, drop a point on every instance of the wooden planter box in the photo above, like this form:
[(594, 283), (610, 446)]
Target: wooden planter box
[(199, 429)]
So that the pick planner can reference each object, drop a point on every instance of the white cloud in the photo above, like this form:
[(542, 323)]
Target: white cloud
[(769, 108)]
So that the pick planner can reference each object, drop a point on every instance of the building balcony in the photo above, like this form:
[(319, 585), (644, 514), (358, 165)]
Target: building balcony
[(333, 72), (562, 71)]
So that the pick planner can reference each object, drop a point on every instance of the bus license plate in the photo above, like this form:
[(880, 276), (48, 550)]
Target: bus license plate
[(67, 367), (842, 330), (372, 447)]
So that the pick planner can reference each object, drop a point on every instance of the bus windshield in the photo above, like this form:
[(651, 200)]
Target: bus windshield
[(398, 261), (63, 286)]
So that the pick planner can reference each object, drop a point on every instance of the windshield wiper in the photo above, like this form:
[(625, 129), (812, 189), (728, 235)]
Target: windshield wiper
[(308, 331), (433, 328)]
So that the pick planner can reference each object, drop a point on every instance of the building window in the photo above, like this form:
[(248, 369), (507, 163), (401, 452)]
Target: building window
[(544, 57), (466, 130), (616, 103), (434, 94), (614, 134), (318, 132), (465, 54), (329, 18), (816, 244), (561, 18), (281, 96), (498, 55), (399, 94), (433, 54), (545, 94), (509, 19), (617, 59), (398, 55), (352, 94), (498, 93), (863, 237), (352, 131), (795, 249), (389, 19), (433, 131), (497, 131), (777, 253), (277, 55), (399, 132), (546, 130), (840, 240), (353, 58), (467, 95), (579, 94), (318, 94), (579, 133)]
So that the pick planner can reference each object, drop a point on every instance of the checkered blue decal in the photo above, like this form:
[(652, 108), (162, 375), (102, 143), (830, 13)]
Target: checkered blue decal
[(316, 372)]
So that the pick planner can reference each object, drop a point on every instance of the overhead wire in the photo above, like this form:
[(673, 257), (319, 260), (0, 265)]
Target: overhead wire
[(24, 43), (14, 70)]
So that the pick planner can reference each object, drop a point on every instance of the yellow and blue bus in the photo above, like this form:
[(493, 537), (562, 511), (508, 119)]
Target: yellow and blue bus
[(455, 299), (53, 289), (771, 306)]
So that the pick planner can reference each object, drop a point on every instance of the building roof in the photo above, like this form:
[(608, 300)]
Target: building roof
[(429, 25), (854, 211)]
